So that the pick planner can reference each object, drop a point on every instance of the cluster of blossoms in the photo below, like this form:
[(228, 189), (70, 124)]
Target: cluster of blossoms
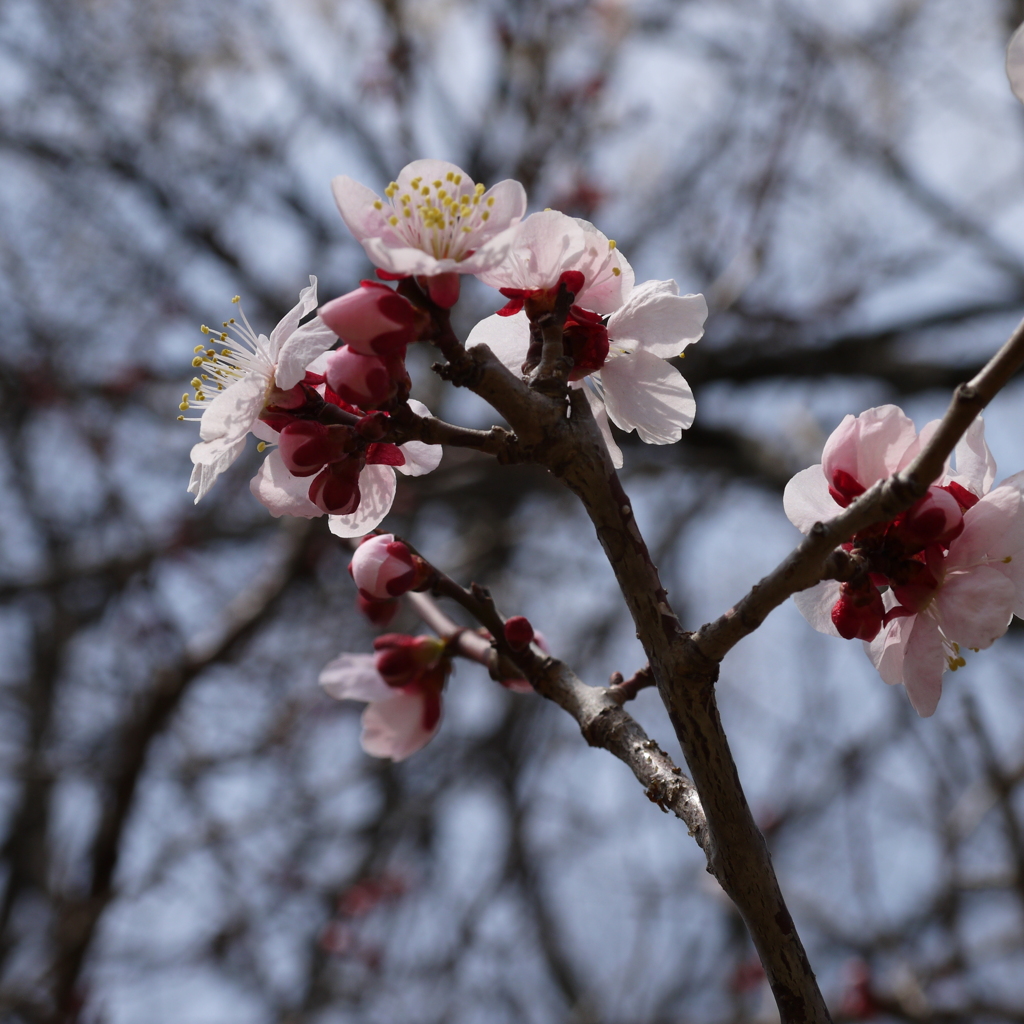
[(322, 389), (945, 576)]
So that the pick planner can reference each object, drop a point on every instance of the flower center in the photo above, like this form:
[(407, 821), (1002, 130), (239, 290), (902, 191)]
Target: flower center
[(244, 351), (439, 217)]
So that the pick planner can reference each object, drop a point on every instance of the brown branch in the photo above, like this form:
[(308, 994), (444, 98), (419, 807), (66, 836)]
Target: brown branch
[(597, 710), (405, 425)]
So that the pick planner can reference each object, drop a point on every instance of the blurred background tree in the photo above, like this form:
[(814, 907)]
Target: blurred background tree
[(190, 832)]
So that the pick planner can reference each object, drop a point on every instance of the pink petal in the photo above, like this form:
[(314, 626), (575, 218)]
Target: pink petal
[(975, 466), (888, 649), (975, 607), (420, 458), (924, 661), (609, 277), (1015, 63), (353, 677), (985, 526), (869, 447), (210, 459), (816, 603), (355, 204), (645, 393), (807, 501), (398, 258), (394, 728), (508, 337), (658, 319), (545, 245), (377, 492), (282, 493)]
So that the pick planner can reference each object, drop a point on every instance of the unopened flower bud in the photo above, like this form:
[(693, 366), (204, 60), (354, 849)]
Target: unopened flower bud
[(586, 340), (380, 613), (858, 613), (372, 320), (364, 381), (305, 447), (336, 489), (935, 519), (401, 659), (383, 567), (518, 632)]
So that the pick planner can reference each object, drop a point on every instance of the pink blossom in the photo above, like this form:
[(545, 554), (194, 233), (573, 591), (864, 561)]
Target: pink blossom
[(284, 493), (547, 248), (382, 567), (627, 379), (364, 381), (434, 220), (952, 566), (397, 721)]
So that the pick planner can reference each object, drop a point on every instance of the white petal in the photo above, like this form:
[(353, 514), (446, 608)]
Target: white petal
[(924, 661), (658, 319), (282, 493), (816, 603), (233, 412), (298, 352), (353, 677), (645, 393), (975, 465), (420, 458), (985, 526), (807, 501), (376, 494), (975, 607), (490, 254), (398, 258), (609, 277), (508, 337), (601, 418), (355, 204), (210, 459), (283, 331), (1015, 63), (394, 728)]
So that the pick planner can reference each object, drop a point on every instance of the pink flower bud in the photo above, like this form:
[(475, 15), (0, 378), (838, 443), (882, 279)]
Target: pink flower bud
[(935, 519), (858, 613), (401, 659), (372, 320), (305, 447), (336, 490), (364, 381), (518, 633), (586, 340), (380, 613), (382, 567)]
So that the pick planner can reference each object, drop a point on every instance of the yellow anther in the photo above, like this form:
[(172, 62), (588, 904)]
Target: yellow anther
[(415, 183), (476, 200), (490, 200), (378, 205), (199, 348), (211, 353), (407, 212), (547, 209), (198, 361), (450, 176), (611, 243), (231, 321), (196, 383), (682, 355), (467, 229), (457, 179), (1007, 559), (406, 200), (616, 271), (484, 215), (183, 407), (392, 221), (237, 299), (441, 193), (223, 336), (262, 446), (180, 418), (200, 397), (479, 189), (225, 351), (437, 184), (204, 377), (464, 199), (424, 191)]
